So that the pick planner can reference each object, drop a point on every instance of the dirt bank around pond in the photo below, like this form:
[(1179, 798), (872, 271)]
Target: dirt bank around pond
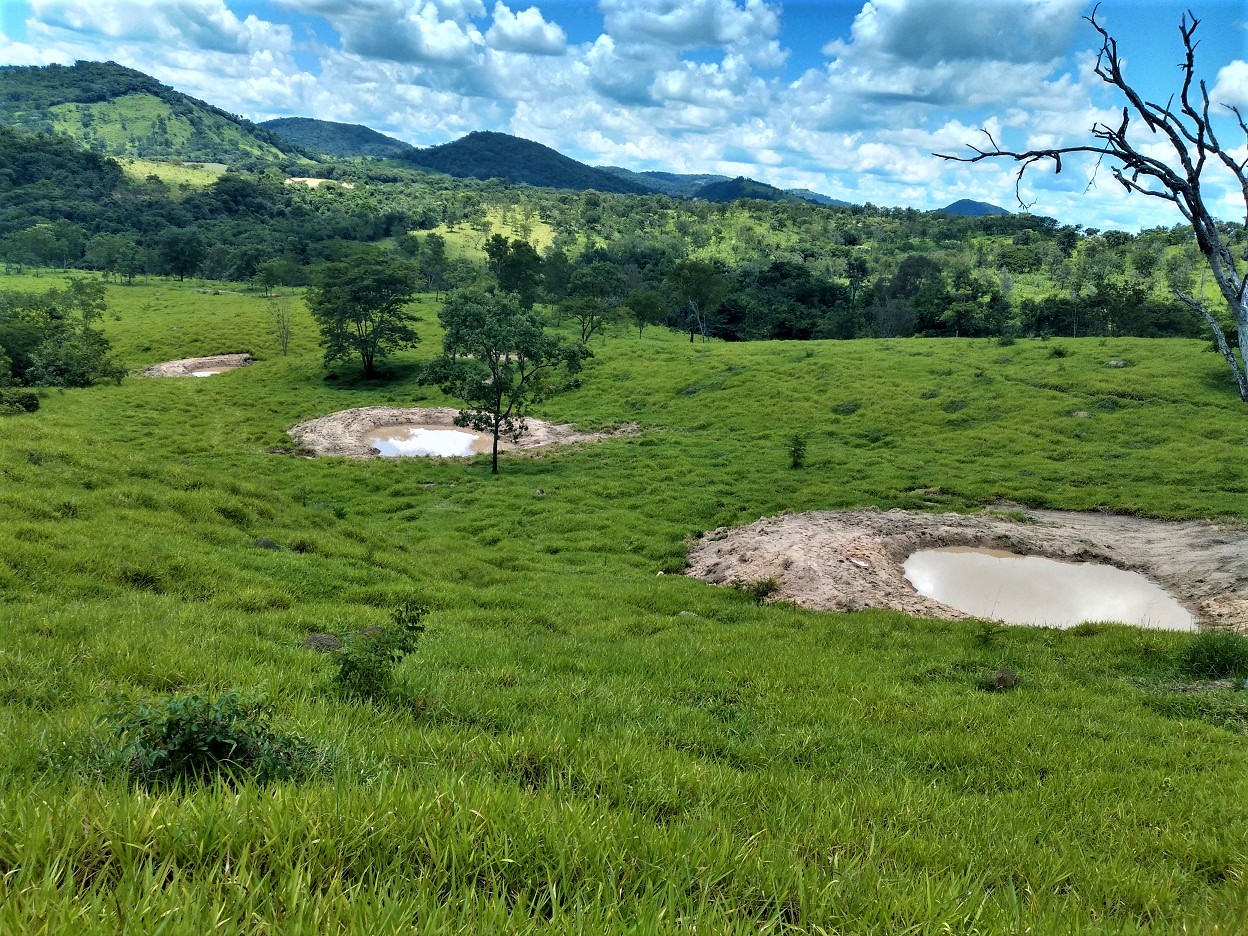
[(852, 560), (343, 433), (198, 366)]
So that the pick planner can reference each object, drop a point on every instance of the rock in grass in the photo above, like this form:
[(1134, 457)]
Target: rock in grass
[(265, 543), (323, 643), (1001, 680)]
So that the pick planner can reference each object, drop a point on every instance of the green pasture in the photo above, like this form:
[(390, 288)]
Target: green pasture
[(585, 740)]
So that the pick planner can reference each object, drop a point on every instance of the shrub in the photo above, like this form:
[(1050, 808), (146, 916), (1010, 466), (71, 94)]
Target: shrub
[(195, 738), (759, 589), (797, 452), (368, 659), (1215, 655), (16, 400)]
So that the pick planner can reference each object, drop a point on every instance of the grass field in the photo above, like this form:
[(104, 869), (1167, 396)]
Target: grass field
[(580, 744)]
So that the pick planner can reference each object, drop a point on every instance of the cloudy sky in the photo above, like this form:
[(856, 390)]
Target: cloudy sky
[(845, 97)]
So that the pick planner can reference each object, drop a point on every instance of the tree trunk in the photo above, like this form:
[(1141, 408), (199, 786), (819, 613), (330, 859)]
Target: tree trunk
[(494, 457)]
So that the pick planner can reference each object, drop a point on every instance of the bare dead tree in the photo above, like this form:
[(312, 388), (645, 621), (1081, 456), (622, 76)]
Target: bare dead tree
[(1188, 129)]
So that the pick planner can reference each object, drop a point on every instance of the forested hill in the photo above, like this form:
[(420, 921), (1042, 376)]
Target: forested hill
[(740, 187), (117, 110), (966, 208), (337, 139), (488, 155), (676, 184)]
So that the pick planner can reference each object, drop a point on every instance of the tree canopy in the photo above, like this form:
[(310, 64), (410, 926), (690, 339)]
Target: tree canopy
[(361, 307), (497, 357)]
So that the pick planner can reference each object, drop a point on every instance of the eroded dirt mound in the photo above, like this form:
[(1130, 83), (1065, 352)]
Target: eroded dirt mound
[(343, 433), (851, 560), (187, 367)]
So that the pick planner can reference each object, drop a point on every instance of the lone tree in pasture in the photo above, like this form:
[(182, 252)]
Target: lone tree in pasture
[(1169, 163), (360, 305), (497, 357)]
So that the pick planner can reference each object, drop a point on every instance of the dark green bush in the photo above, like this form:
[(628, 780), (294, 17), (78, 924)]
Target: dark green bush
[(17, 400), (1215, 655), (759, 589), (367, 660), (797, 452), (195, 738)]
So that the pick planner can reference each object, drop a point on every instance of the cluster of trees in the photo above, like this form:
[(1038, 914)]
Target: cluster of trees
[(53, 339), (750, 270)]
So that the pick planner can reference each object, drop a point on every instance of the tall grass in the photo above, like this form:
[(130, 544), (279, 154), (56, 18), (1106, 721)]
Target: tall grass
[(579, 744)]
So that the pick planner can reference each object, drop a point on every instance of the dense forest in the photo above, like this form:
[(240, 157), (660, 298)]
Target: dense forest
[(748, 269)]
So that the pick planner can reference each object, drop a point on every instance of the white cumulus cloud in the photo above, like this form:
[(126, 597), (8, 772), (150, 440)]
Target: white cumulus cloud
[(525, 31)]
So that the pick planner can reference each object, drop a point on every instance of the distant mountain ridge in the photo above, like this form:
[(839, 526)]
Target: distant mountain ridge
[(967, 208), (675, 184), (485, 154), (123, 112), (340, 140)]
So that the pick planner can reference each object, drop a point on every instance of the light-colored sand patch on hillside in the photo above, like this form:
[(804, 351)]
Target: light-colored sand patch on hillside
[(198, 366), (343, 433), (851, 560), (317, 183)]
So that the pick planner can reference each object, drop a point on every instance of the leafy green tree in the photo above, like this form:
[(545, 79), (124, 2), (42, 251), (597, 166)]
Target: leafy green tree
[(180, 252), (698, 288), (361, 307), (51, 339), (645, 307), (497, 357)]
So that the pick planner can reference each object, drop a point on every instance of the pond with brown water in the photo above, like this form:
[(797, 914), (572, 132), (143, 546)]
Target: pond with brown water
[(1016, 589)]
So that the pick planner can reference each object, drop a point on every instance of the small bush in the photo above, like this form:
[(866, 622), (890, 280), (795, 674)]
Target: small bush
[(1059, 351), (797, 452), (759, 589), (1215, 655), (16, 400), (195, 738), (368, 659)]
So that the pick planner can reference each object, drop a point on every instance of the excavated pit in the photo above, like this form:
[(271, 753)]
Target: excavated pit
[(354, 433), (199, 366), (853, 560)]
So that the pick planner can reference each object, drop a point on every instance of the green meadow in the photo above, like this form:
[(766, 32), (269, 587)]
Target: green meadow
[(586, 741)]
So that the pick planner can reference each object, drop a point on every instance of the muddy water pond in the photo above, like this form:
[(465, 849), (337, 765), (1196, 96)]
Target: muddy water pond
[(1015, 589), (413, 439)]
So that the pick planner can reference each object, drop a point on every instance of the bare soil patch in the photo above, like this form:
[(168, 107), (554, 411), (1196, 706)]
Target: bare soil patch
[(852, 560), (188, 366), (343, 433)]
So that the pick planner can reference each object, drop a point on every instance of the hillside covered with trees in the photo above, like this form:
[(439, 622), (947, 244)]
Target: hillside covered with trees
[(123, 112)]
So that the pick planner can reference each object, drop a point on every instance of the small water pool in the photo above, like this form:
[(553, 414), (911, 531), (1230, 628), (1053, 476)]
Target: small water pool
[(411, 440), (1014, 589), (210, 371)]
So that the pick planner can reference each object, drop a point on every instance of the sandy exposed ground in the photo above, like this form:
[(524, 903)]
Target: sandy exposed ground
[(343, 433), (187, 366), (850, 560)]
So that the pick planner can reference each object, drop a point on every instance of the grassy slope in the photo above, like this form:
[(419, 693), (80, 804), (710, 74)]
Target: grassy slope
[(192, 175), (589, 756), (123, 125)]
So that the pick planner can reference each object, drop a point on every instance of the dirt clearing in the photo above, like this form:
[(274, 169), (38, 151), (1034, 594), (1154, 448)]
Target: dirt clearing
[(851, 560), (199, 366), (344, 433)]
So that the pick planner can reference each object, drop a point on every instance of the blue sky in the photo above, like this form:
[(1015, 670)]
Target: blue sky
[(846, 98)]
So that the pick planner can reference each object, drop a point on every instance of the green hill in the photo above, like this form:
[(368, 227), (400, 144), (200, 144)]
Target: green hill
[(489, 155), (336, 139), (580, 744), (123, 112), (732, 189), (676, 184), (966, 208)]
